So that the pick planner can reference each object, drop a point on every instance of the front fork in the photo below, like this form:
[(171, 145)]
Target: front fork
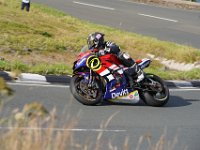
[(90, 79)]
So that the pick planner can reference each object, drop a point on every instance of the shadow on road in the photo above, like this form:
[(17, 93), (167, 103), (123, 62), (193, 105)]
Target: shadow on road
[(174, 101)]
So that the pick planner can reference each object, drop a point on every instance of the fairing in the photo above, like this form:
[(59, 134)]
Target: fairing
[(107, 61)]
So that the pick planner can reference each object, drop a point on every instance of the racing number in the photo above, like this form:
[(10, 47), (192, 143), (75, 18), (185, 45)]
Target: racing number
[(93, 63)]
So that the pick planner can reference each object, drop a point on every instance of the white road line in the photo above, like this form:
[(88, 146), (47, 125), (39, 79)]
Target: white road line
[(185, 89), (166, 19), (38, 84), (127, 1), (61, 129), (92, 5)]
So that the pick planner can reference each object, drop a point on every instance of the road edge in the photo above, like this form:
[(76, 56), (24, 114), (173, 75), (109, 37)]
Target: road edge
[(65, 79), (172, 3)]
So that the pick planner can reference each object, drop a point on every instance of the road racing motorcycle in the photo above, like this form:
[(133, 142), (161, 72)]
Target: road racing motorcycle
[(92, 81)]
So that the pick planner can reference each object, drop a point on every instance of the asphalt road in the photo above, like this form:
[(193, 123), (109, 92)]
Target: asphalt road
[(179, 118), (176, 25)]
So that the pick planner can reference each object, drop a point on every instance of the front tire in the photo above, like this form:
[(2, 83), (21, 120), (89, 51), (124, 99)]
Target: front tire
[(83, 94), (152, 97)]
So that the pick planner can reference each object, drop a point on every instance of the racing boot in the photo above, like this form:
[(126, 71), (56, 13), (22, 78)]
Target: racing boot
[(140, 76), (134, 74)]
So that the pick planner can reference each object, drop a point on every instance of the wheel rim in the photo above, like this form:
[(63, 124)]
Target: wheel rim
[(160, 96), (85, 92)]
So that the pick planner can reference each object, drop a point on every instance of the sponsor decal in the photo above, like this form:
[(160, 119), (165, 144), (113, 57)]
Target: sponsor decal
[(122, 93), (136, 93), (131, 96)]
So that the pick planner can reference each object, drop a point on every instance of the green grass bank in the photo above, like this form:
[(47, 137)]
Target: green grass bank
[(46, 41)]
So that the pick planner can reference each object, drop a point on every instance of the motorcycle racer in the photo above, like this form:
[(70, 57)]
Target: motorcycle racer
[(96, 41)]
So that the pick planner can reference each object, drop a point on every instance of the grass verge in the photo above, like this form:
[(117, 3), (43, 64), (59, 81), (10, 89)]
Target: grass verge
[(46, 41)]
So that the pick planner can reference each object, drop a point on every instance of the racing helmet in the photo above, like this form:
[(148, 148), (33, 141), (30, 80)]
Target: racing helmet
[(95, 40)]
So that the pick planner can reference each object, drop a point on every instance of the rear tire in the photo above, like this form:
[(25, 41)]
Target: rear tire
[(151, 98), (80, 94)]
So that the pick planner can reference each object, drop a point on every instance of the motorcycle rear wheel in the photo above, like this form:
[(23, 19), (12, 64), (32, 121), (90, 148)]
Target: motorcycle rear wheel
[(152, 98), (83, 93)]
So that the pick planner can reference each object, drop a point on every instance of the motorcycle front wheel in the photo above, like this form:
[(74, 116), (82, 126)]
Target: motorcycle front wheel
[(155, 92), (84, 94)]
